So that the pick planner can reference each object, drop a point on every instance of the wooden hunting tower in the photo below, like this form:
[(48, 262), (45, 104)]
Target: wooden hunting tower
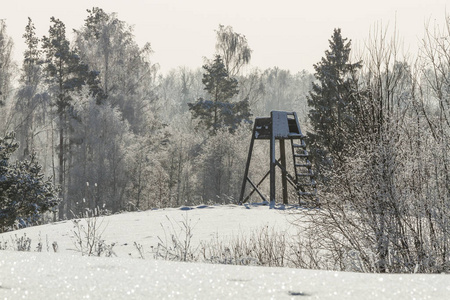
[(281, 126)]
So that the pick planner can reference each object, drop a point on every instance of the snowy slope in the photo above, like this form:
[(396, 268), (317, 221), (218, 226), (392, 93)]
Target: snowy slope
[(145, 227), (68, 275)]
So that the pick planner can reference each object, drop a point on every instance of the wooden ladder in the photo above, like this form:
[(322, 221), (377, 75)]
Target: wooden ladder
[(304, 175)]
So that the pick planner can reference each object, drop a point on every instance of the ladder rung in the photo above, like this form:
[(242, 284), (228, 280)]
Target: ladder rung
[(306, 194), (302, 145), (305, 174), (303, 165), (313, 184), (298, 135), (301, 155)]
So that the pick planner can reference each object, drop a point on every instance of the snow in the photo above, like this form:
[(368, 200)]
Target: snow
[(145, 227), (280, 125), (68, 275)]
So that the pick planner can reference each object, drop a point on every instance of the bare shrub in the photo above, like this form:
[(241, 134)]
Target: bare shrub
[(140, 249), (263, 247), (177, 243), (22, 243), (88, 238), (17, 243)]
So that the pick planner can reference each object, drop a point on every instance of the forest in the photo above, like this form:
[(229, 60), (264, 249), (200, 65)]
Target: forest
[(92, 125)]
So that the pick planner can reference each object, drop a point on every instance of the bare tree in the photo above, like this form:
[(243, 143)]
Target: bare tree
[(7, 68), (233, 48)]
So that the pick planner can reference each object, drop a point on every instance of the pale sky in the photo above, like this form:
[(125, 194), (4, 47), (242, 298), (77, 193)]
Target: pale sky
[(290, 34)]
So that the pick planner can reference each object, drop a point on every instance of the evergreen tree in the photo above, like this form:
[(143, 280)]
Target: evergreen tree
[(29, 99), (65, 74), (333, 102), (219, 111), (32, 52), (24, 194), (64, 68)]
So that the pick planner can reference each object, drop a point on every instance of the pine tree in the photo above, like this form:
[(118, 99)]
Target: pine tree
[(65, 74), (219, 111), (32, 52), (333, 102), (24, 194), (28, 98)]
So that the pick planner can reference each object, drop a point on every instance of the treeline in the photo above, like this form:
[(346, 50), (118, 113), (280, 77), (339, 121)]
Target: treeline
[(114, 134)]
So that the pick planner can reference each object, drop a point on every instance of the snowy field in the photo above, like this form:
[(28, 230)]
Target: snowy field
[(68, 275)]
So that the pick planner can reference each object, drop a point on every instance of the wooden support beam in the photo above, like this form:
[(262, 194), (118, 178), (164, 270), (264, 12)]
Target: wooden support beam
[(283, 171), (272, 164), (247, 166)]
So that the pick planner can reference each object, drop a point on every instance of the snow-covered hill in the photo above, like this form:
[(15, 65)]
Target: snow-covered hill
[(68, 275)]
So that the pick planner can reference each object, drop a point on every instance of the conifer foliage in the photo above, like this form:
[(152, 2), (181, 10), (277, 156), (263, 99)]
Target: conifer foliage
[(66, 74), (29, 102), (219, 111), (24, 194), (333, 101)]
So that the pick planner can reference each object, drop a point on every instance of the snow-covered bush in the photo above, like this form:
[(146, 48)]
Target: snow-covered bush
[(24, 194)]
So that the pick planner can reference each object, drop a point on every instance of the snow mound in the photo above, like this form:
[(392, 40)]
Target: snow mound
[(68, 275)]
